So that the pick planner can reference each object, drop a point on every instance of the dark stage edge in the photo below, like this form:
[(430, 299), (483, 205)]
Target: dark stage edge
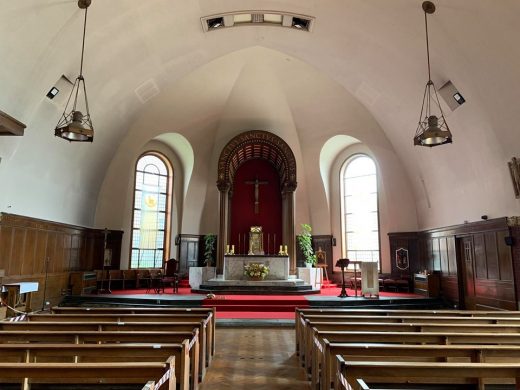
[(169, 300), (255, 290)]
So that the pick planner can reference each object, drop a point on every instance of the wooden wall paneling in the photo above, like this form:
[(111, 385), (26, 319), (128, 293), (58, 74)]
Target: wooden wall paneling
[(452, 255), (436, 254), (491, 255), (430, 256), (52, 239), (40, 254), (5, 248), (484, 277), (450, 288), (17, 252), (28, 266), (480, 256), (505, 259), (443, 253), (26, 243)]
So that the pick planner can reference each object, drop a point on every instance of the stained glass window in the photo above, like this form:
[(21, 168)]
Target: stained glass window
[(150, 212), (360, 219)]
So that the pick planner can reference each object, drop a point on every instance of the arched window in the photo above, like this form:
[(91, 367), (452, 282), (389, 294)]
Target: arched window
[(359, 209), (150, 221)]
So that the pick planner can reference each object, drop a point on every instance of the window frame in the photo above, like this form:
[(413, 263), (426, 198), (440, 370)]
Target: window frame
[(167, 219), (342, 171)]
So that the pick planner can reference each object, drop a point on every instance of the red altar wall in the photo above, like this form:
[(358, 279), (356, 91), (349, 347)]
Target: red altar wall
[(243, 204)]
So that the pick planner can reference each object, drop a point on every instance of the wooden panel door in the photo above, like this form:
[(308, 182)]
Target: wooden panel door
[(188, 252), (467, 276)]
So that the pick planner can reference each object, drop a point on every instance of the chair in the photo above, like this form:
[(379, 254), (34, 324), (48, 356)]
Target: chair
[(171, 275), (322, 263), (155, 282)]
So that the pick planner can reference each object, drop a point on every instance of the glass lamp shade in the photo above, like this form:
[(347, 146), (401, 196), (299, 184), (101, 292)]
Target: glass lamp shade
[(75, 127), (430, 134)]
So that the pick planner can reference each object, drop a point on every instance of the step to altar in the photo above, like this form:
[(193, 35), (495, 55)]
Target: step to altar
[(270, 287)]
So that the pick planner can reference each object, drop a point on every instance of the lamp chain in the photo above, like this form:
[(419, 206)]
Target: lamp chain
[(83, 44), (427, 46)]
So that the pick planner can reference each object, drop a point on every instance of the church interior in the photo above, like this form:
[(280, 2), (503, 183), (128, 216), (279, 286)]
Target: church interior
[(187, 186)]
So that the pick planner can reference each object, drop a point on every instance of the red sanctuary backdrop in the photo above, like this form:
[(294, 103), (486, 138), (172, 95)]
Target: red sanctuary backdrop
[(243, 205)]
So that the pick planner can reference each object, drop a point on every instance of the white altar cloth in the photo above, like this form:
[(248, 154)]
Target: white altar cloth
[(234, 266)]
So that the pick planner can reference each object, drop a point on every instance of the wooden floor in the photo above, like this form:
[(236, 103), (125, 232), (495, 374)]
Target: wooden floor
[(255, 358)]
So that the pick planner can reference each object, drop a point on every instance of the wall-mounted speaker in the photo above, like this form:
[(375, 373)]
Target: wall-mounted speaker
[(510, 241)]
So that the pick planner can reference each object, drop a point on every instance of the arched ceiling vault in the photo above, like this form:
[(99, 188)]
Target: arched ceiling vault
[(372, 49)]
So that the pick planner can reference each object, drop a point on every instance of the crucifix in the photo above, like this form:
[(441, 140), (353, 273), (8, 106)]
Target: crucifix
[(257, 184)]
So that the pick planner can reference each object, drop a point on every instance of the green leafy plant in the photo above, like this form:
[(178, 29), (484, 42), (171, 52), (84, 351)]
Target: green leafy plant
[(305, 242), (209, 248)]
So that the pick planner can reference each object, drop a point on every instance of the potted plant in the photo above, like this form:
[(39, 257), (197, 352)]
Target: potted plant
[(305, 242), (209, 248)]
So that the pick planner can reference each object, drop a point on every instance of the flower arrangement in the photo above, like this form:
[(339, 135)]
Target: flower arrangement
[(256, 270)]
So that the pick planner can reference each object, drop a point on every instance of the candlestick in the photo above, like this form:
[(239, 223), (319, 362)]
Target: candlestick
[(268, 243), (274, 244), (227, 249), (239, 250), (285, 250), (233, 249)]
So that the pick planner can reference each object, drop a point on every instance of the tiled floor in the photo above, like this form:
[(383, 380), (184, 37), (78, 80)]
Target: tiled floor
[(255, 358)]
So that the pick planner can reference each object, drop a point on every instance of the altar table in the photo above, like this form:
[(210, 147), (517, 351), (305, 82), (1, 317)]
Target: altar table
[(278, 266)]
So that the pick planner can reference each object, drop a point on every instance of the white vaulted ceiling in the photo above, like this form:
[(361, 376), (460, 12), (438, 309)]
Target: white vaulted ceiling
[(360, 73)]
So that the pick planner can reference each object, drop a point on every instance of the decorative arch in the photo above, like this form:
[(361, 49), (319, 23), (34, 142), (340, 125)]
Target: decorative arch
[(257, 144)]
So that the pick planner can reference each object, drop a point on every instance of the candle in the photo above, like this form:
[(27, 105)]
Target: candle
[(285, 251), (239, 242), (281, 249), (268, 243), (233, 249), (227, 248)]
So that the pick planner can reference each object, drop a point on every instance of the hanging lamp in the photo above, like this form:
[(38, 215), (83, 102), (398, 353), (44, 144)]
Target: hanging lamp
[(74, 126), (432, 129)]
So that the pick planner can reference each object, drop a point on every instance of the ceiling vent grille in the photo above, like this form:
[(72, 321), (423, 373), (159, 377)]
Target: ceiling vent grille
[(258, 18)]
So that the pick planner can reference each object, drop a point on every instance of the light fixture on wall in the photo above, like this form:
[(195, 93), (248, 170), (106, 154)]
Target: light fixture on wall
[(432, 129), (73, 125)]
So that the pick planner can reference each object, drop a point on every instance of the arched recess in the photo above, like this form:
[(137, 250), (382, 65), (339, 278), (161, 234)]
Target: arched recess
[(257, 144)]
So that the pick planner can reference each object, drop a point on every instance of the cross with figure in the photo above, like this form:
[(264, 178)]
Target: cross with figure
[(257, 183)]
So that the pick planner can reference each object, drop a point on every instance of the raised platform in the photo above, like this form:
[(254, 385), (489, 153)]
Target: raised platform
[(173, 300), (290, 286)]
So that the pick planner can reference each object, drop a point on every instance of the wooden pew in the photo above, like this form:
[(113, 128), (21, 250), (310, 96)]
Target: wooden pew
[(127, 372), (210, 311), (301, 314), (349, 373), (398, 327), (108, 353), (103, 317), (402, 352), (403, 338), (80, 337), (119, 326)]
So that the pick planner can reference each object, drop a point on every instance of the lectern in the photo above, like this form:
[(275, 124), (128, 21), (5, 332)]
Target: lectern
[(343, 263)]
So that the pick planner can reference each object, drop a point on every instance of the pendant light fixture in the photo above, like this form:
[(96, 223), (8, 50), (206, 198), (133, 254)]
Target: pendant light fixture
[(432, 129), (74, 126)]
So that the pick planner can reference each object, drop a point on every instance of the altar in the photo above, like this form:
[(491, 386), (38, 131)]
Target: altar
[(234, 266)]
